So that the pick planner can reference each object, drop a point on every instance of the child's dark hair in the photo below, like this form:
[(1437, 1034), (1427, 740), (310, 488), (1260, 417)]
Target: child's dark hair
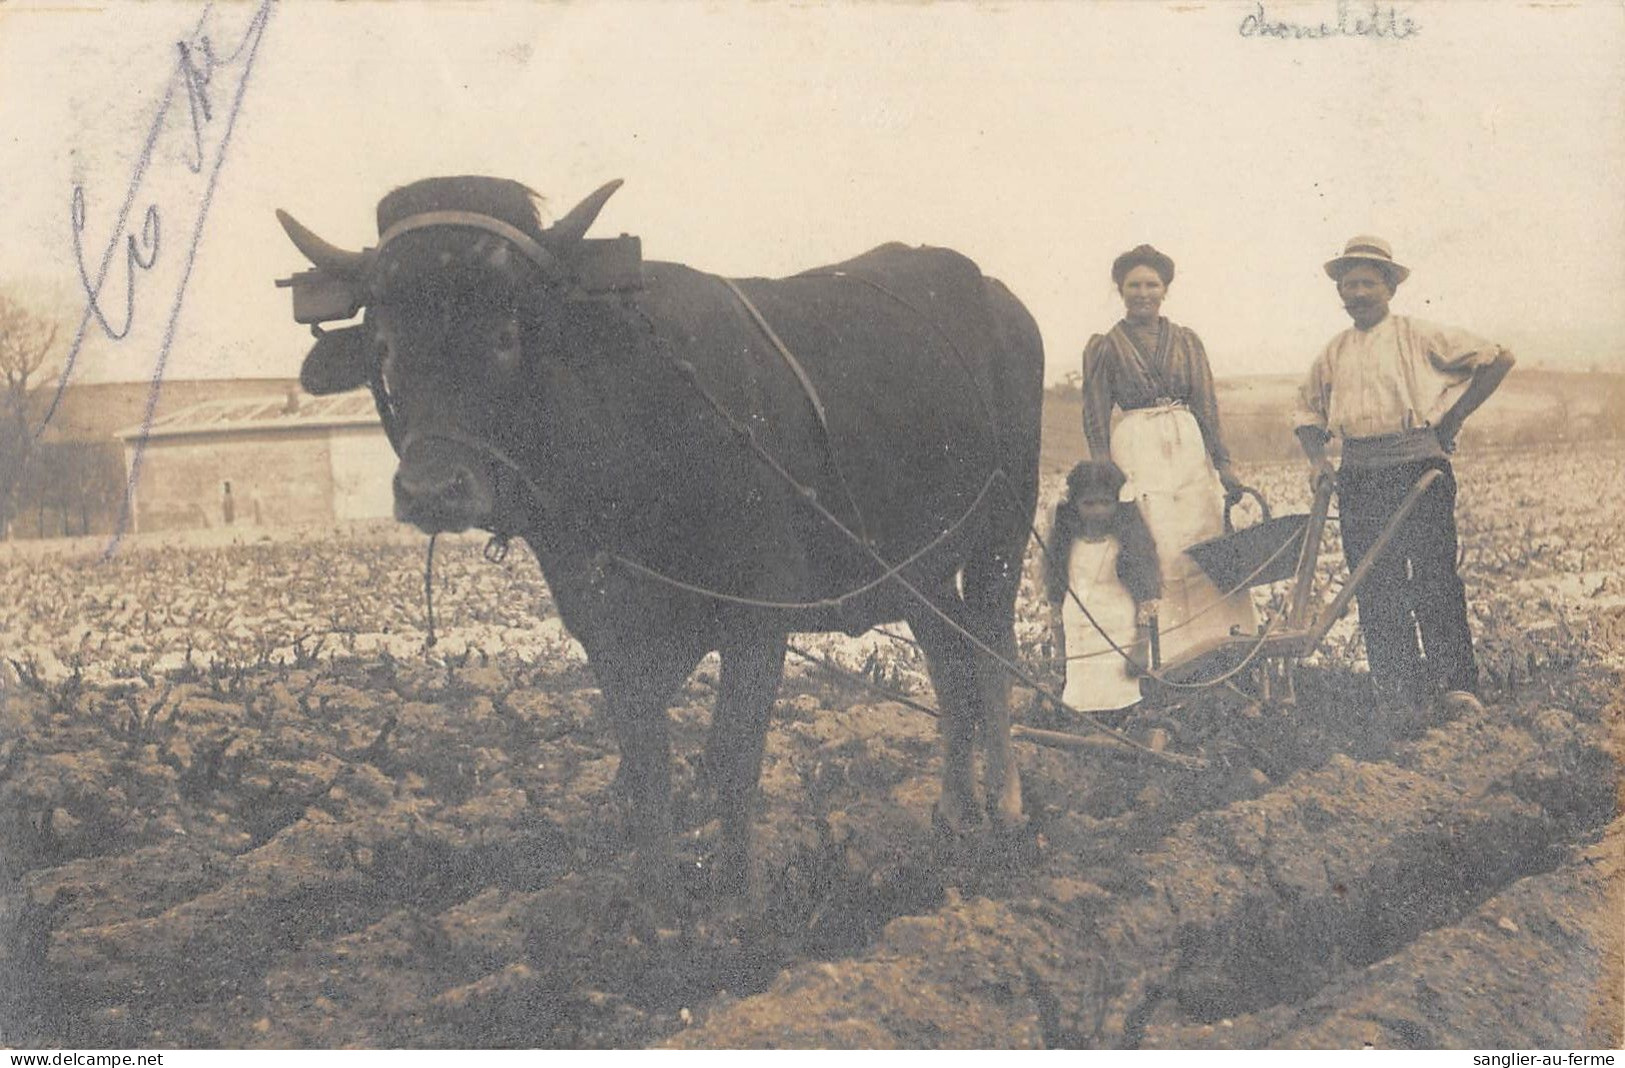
[(1137, 565)]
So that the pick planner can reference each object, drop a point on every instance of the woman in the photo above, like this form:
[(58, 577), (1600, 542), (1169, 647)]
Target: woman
[(1168, 444)]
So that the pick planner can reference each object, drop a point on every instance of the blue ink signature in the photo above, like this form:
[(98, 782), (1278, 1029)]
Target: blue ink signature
[(1380, 24), (195, 73)]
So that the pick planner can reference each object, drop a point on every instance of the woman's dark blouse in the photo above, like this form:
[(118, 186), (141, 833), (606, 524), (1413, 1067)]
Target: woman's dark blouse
[(1176, 370)]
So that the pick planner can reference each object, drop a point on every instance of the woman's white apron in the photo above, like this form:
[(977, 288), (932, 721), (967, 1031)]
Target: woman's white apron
[(1172, 479)]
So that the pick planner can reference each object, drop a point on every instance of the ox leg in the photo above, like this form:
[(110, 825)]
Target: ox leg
[(751, 674), (991, 585), (637, 699), (949, 659)]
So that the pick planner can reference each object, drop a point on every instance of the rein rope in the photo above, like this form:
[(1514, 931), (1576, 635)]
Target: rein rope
[(1159, 677), (747, 435), (953, 346), (688, 371), (813, 399), (428, 592), (835, 603), (889, 571), (496, 548)]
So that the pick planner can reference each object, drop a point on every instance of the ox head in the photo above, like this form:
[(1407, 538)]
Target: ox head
[(459, 296)]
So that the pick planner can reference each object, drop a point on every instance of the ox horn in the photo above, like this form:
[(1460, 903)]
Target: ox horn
[(328, 257), (563, 235)]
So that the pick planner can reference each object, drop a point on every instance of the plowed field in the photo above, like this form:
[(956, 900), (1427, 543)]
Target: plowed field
[(243, 805)]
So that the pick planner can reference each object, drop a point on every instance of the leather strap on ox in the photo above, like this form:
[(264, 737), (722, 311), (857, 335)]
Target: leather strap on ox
[(528, 246), (532, 249), (784, 351), (810, 390)]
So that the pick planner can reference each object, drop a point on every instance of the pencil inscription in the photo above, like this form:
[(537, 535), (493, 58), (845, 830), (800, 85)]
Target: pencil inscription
[(1375, 22)]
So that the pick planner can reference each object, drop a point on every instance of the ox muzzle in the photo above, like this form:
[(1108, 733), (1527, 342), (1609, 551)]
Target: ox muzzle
[(443, 487)]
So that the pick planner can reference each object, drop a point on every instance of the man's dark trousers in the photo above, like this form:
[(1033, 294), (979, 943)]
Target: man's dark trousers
[(1413, 586)]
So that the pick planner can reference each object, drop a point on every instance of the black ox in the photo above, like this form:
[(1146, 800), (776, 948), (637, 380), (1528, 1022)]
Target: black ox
[(681, 457)]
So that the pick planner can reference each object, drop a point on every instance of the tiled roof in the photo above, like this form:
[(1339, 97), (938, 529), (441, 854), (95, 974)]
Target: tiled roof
[(263, 413)]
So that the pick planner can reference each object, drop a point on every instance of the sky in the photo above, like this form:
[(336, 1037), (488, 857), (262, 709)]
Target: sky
[(1039, 138)]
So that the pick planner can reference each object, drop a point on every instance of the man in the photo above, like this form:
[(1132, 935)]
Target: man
[(1396, 391)]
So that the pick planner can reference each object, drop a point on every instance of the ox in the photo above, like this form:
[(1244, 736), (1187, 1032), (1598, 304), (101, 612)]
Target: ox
[(701, 464)]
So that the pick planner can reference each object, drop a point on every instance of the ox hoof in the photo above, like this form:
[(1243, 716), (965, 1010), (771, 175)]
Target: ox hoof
[(954, 821), (1457, 703), (730, 876), (1006, 812), (1011, 845), (1003, 823), (988, 846), (655, 877)]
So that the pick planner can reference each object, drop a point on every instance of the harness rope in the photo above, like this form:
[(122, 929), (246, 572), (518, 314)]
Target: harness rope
[(690, 374), (428, 591), (890, 572), (992, 422), (953, 346), (1157, 676), (811, 391), (1019, 731), (837, 604)]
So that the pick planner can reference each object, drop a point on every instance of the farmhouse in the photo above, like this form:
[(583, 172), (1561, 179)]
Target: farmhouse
[(278, 460)]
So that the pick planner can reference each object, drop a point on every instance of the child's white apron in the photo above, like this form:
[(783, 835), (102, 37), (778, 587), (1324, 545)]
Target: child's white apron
[(1096, 679)]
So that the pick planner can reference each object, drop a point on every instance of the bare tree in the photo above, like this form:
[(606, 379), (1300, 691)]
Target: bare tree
[(26, 340)]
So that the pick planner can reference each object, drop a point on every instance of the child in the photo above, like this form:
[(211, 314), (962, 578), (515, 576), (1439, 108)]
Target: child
[(1101, 549)]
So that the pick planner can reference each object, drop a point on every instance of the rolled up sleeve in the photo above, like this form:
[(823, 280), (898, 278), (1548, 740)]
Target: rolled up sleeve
[(1456, 354), (1448, 359)]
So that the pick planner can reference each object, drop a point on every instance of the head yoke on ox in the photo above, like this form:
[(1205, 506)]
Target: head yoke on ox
[(584, 268), (342, 282)]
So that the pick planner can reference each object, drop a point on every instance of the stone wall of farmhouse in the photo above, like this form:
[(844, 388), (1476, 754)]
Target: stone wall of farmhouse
[(281, 478), (363, 472)]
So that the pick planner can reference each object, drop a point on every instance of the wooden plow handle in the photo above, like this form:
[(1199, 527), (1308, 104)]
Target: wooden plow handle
[(1303, 583), (1340, 603)]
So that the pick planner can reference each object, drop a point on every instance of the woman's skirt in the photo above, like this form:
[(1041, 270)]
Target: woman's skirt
[(1096, 674), (1172, 479)]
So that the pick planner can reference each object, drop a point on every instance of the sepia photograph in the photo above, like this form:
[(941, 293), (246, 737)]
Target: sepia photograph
[(843, 524)]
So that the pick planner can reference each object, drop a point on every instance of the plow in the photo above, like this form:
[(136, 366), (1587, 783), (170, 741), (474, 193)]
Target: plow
[(1259, 668)]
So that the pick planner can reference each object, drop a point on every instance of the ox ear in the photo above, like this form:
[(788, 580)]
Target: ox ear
[(563, 236), (336, 363)]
